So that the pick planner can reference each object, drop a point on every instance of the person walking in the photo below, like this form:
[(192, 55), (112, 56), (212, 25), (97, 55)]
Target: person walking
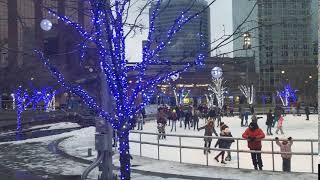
[(230, 141), (196, 119), (208, 130), (174, 118), (269, 122), (280, 124), (254, 135), (285, 146), (307, 111)]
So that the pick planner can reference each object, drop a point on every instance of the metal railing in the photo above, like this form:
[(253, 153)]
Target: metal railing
[(237, 150)]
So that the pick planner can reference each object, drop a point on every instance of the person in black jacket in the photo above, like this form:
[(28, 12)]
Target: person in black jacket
[(269, 122), (187, 119), (307, 111), (223, 144)]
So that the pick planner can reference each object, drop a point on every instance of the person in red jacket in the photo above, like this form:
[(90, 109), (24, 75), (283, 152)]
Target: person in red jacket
[(254, 135)]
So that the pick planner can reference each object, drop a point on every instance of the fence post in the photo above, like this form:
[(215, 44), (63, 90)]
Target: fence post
[(238, 159), (312, 157), (207, 163), (158, 150), (180, 149), (140, 145), (272, 150)]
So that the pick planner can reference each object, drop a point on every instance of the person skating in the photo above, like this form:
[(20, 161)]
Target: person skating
[(187, 119), (307, 111), (254, 135), (219, 114), (161, 121), (230, 141), (196, 119), (180, 114), (254, 118), (223, 144), (246, 118), (140, 121), (280, 124), (285, 146), (174, 118), (269, 122), (208, 130)]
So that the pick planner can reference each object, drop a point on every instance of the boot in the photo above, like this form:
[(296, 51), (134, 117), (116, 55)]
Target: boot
[(256, 167), (216, 158), (223, 162), (260, 168)]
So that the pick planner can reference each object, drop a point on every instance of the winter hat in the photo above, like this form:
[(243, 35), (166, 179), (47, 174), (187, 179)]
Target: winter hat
[(253, 126)]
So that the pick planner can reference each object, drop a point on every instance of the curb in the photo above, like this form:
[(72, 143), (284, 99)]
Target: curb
[(142, 172)]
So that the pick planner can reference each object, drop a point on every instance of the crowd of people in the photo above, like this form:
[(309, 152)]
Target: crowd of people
[(188, 117)]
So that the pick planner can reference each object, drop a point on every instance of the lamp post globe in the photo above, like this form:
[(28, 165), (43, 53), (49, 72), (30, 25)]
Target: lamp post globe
[(216, 72)]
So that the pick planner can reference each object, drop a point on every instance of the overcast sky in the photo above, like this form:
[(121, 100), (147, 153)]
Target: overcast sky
[(220, 14)]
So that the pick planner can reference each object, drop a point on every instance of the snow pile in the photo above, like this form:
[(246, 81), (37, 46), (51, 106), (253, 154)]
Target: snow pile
[(53, 126)]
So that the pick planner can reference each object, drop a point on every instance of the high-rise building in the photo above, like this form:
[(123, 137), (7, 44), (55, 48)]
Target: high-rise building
[(20, 34), (283, 37), (194, 37)]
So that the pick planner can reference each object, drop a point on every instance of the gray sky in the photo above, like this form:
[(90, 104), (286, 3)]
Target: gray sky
[(221, 14)]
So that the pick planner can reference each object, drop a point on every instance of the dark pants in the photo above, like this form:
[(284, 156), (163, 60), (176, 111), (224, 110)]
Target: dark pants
[(269, 129), (307, 116), (207, 144), (286, 165), (242, 121), (222, 156), (256, 160), (195, 123), (186, 123)]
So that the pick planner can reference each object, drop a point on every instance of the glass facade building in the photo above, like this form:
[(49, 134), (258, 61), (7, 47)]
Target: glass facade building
[(284, 41), (194, 37)]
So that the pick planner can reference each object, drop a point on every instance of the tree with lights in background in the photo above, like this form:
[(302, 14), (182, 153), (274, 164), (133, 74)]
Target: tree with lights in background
[(108, 37)]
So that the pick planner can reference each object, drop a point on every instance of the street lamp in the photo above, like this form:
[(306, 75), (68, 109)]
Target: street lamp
[(310, 77), (282, 72)]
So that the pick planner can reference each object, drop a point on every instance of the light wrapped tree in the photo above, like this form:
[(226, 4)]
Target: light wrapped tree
[(248, 92), (287, 95), (218, 90)]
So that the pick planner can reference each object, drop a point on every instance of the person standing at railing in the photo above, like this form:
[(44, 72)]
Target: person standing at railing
[(223, 144), (285, 146), (269, 122), (208, 130), (254, 135), (280, 124)]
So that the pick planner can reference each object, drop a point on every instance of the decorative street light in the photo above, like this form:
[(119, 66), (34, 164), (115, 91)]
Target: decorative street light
[(216, 72), (46, 25)]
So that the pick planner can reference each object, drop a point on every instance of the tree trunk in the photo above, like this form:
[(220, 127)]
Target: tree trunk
[(125, 156)]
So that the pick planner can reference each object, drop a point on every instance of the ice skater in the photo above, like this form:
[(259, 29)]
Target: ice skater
[(269, 122), (280, 124), (208, 130)]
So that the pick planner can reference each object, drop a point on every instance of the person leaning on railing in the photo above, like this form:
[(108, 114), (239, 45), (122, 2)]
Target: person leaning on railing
[(285, 146), (254, 135)]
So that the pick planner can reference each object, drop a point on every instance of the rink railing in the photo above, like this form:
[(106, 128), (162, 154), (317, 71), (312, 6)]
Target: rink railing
[(237, 150)]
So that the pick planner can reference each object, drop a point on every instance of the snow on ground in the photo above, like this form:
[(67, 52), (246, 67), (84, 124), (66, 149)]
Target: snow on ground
[(294, 126), (53, 126)]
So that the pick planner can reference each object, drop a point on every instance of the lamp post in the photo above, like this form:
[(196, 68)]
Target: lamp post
[(246, 46)]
